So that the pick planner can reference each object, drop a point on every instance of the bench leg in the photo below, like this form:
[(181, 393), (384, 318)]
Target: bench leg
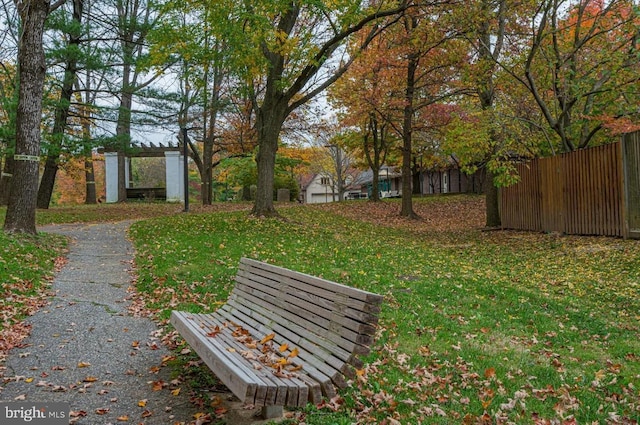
[(272, 412)]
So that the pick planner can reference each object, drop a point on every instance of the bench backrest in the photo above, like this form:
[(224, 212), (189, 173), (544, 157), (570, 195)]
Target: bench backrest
[(328, 323)]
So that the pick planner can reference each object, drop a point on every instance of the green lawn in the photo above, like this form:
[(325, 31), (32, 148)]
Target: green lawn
[(477, 327)]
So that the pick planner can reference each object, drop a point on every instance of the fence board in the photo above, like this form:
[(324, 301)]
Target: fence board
[(631, 176), (574, 193)]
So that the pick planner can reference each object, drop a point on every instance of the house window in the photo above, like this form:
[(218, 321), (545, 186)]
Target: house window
[(324, 180)]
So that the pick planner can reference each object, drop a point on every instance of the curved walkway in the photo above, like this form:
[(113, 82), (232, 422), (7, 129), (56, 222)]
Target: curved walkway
[(87, 350)]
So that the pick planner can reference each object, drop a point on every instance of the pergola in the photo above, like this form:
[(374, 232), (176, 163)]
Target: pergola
[(174, 165)]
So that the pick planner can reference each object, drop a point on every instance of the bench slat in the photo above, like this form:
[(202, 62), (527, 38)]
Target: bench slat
[(320, 313), (336, 287), (319, 326), (340, 346), (354, 311), (305, 283)]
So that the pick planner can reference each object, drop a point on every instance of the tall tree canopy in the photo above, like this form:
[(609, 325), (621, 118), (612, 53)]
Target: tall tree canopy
[(286, 53)]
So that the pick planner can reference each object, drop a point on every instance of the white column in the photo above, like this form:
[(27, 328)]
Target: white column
[(111, 176), (173, 171)]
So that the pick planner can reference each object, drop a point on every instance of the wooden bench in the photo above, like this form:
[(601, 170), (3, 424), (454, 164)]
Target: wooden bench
[(283, 338)]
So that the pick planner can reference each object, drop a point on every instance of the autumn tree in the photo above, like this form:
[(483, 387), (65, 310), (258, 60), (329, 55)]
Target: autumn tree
[(417, 68), (581, 67), (484, 25), (366, 102), (287, 53)]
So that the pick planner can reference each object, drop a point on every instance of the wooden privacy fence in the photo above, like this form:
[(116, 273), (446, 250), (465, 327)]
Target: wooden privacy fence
[(588, 192)]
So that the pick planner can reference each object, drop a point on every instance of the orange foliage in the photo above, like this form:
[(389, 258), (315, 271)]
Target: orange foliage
[(70, 185)]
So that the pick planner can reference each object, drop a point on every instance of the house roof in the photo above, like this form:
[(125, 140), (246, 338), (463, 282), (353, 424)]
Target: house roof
[(306, 180)]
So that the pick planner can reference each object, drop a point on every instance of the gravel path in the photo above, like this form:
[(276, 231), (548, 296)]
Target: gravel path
[(87, 350)]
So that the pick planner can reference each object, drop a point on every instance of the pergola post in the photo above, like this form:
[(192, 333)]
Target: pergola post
[(174, 177), (111, 176)]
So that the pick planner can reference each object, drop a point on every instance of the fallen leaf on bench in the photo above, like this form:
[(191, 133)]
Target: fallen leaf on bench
[(283, 347), (294, 352), (248, 355), (256, 366), (295, 368), (267, 338), (214, 332), (231, 350)]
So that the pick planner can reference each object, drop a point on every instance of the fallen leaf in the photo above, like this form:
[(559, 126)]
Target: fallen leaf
[(123, 418), (267, 338), (146, 414), (84, 364), (176, 391), (490, 373), (142, 403), (102, 411)]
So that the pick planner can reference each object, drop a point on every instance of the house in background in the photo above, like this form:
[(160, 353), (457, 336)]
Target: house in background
[(451, 180), (319, 188), (316, 189)]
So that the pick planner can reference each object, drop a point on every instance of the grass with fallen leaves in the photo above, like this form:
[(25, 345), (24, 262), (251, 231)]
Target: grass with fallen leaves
[(477, 327), (26, 267)]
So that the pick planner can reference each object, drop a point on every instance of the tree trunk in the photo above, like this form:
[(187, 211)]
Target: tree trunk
[(91, 196), (207, 173), (5, 179), (269, 121), (415, 177), (47, 181), (407, 134), (491, 195), (21, 211)]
